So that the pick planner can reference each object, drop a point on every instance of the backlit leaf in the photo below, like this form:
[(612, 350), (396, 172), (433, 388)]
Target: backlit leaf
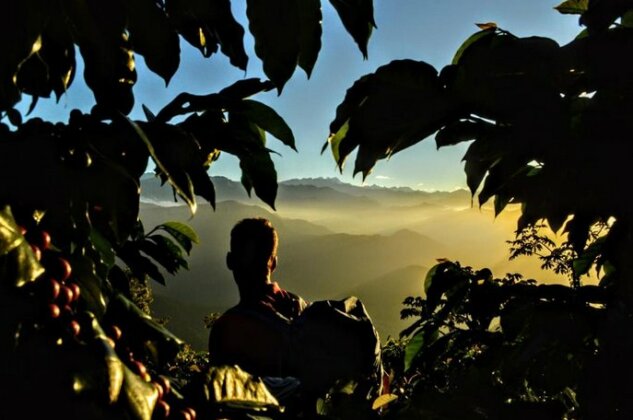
[(486, 26), (310, 34), (358, 18), (18, 265), (266, 118), (573, 7), (412, 349), (275, 25), (152, 36), (182, 233), (470, 41)]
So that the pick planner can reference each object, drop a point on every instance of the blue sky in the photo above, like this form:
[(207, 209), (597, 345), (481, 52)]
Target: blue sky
[(428, 30)]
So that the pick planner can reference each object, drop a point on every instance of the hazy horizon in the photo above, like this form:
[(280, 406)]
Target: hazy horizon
[(336, 240)]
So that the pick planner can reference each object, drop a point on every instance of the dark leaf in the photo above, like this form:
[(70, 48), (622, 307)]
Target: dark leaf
[(244, 88), (390, 110), (207, 24), (84, 273), (33, 77), (21, 25), (600, 15), (141, 327), (140, 265), (152, 36), (275, 25), (202, 184), (578, 231), (14, 117), (148, 113), (475, 172), (98, 28), (175, 153), (340, 125), (413, 348), (583, 263), (470, 41), (457, 132), (58, 52), (501, 201), (164, 251), (310, 34), (259, 172), (99, 371), (119, 280), (358, 18), (103, 247)]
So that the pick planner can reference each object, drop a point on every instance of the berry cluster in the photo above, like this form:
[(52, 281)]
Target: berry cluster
[(55, 286), (58, 291)]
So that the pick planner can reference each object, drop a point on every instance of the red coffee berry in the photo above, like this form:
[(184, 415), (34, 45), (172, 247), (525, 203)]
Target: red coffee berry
[(161, 410), (115, 332), (74, 327), (74, 287), (54, 311), (66, 295)]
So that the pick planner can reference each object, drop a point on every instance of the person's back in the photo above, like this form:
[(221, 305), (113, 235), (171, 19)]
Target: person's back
[(274, 333), (254, 334)]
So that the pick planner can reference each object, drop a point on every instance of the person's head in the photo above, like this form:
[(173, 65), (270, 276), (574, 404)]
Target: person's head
[(253, 253)]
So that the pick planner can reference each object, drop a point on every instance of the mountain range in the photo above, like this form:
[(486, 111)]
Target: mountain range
[(336, 240)]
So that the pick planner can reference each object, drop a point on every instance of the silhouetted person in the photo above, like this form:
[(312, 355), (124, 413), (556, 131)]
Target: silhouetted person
[(255, 333), (274, 333)]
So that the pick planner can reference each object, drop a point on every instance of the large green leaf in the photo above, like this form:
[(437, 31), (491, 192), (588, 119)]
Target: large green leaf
[(275, 25), (413, 347), (233, 387), (267, 119), (139, 397), (10, 236), (358, 18), (152, 36), (182, 233)]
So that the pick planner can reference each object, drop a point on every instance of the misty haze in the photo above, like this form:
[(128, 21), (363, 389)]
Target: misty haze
[(336, 240)]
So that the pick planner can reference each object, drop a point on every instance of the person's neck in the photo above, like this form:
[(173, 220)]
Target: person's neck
[(253, 289)]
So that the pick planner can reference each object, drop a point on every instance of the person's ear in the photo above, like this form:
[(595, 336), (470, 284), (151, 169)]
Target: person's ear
[(229, 261), (273, 263)]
